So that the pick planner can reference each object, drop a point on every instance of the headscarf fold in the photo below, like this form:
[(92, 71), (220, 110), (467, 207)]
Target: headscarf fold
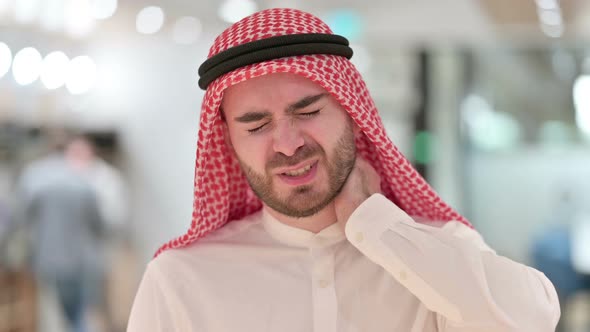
[(221, 191)]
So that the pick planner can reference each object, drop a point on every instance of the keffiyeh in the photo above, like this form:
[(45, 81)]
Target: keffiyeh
[(221, 191)]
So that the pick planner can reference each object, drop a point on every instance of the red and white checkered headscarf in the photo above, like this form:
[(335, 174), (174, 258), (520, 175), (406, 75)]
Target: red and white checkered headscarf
[(222, 193)]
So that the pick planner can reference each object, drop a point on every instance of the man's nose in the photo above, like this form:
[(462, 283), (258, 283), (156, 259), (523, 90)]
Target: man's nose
[(287, 137)]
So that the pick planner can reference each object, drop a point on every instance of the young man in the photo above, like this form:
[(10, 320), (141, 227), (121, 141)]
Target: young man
[(315, 203)]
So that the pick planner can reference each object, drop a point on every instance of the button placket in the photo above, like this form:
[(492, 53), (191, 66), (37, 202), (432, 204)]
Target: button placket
[(359, 237), (325, 305)]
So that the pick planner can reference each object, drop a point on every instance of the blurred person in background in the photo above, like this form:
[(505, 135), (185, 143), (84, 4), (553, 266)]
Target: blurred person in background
[(111, 192), (4, 218), (107, 182), (307, 217), (59, 207)]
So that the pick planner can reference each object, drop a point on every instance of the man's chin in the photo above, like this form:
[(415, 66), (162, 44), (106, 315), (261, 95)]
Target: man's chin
[(300, 207), (294, 212)]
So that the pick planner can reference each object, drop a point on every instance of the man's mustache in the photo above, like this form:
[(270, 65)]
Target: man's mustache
[(303, 153)]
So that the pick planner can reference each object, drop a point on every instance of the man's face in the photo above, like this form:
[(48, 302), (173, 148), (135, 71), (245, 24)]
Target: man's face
[(295, 143)]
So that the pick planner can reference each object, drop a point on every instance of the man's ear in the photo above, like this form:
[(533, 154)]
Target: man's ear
[(355, 128), (227, 138)]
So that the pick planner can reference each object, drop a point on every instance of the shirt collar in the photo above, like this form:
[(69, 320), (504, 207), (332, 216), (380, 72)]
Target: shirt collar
[(298, 237)]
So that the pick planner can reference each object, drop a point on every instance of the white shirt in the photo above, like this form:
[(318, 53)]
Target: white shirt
[(381, 272)]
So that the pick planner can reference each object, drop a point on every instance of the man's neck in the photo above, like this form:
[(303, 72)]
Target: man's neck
[(314, 224)]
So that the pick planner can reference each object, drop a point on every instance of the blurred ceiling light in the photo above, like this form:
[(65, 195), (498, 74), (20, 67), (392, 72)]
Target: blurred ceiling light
[(149, 20), (502, 132), (5, 59), (550, 17), (361, 58), (553, 31), (54, 70), (26, 11), (5, 6), (473, 104), (26, 66), (52, 15), (547, 4), (489, 129), (81, 75), (475, 111), (186, 30), (79, 22), (103, 9), (582, 102), (234, 10)]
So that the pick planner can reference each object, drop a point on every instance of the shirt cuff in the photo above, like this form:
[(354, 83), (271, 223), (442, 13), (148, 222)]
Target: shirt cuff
[(365, 230)]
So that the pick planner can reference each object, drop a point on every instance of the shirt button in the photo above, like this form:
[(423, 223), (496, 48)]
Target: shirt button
[(403, 276), (359, 237), (323, 283)]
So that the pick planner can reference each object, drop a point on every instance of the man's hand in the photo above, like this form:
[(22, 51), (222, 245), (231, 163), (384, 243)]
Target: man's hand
[(362, 182)]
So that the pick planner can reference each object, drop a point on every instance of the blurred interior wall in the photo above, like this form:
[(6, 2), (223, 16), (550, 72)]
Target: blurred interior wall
[(447, 91), (159, 137), (517, 193)]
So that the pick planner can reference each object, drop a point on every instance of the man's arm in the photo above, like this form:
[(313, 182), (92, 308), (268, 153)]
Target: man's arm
[(453, 272)]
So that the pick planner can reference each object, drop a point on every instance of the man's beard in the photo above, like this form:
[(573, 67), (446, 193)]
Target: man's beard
[(304, 201)]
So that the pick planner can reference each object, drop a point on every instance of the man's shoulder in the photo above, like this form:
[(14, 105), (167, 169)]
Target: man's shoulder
[(225, 244)]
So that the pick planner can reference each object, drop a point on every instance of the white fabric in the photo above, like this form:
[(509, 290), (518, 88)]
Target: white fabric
[(381, 272)]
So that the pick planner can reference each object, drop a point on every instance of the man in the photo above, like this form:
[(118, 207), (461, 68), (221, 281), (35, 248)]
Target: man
[(315, 203), (107, 182), (60, 208)]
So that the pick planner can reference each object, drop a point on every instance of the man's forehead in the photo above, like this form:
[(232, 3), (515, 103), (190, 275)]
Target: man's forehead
[(277, 87)]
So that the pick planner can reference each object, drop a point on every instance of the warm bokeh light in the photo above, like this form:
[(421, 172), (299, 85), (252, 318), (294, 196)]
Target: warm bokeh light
[(186, 30), (51, 17), (26, 66), (149, 20), (5, 59), (78, 20), (234, 10), (81, 75), (26, 11), (54, 70), (103, 9)]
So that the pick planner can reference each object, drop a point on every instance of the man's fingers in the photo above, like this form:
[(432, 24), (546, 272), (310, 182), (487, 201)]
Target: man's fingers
[(370, 178)]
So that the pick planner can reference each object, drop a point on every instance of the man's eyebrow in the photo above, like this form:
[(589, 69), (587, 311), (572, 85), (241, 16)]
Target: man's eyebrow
[(304, 102), (253, 116)]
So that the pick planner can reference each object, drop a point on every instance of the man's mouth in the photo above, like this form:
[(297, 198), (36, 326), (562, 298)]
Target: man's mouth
[(301, 175), (300, 171)]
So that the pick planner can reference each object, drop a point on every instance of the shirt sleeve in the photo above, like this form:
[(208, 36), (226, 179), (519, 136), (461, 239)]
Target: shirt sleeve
[(150, 311), (453, 272)]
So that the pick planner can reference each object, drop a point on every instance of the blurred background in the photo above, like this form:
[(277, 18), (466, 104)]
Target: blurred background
[(99, 109)]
